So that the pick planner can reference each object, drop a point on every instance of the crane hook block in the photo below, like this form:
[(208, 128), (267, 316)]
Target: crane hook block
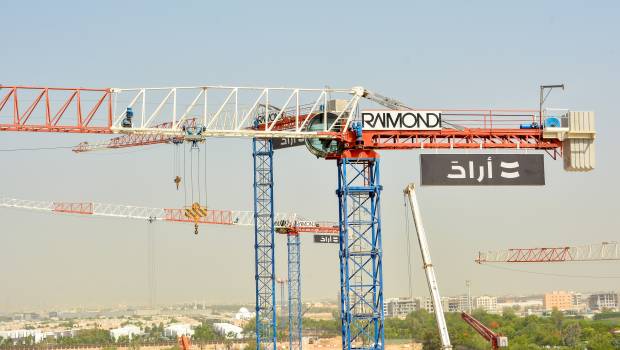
[(177, 181), (195, 213)]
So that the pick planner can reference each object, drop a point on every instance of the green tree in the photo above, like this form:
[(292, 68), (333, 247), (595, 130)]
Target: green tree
[(205, 332), (558, 318), (571, 334), (600, 341)]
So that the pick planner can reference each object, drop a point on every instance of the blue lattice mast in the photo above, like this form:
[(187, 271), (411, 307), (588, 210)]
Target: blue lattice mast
[(361, 270), (264, 245), (294, 291)]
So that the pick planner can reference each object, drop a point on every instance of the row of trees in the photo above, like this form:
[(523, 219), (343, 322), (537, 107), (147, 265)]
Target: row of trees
[(524, 333)]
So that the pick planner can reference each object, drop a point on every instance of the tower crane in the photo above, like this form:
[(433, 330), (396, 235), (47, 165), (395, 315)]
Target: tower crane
[(289, 224), (497, 340), (331, 123), (605, 251)]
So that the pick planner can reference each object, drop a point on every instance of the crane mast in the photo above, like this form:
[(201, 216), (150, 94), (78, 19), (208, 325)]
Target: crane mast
[(429, 270)]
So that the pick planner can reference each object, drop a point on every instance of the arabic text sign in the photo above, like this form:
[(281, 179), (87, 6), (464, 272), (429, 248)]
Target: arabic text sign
[(286, 142), (401, 120), (326, 239), (482, 169)]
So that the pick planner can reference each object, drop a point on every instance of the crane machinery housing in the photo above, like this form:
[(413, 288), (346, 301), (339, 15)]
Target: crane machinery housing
[(331, 122)]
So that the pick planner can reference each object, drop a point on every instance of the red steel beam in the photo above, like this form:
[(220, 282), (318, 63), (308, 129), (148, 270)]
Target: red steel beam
[(55, 117), (73, 208), (539, 255)]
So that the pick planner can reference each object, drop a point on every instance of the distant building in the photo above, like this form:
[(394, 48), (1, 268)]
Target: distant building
[(525, 306), (427, 304), (449, 304), (127, 331), (400, 307), (176, 330), (464, 303), (486, 303), (18, 334), (244, 314), (558, 300), (603, 301), (228, 330)]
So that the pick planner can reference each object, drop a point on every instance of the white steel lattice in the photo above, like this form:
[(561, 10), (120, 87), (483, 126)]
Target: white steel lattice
[(230, 111)]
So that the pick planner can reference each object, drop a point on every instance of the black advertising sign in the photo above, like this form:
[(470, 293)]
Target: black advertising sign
[(287, 142), (482, 169), (326, 239)]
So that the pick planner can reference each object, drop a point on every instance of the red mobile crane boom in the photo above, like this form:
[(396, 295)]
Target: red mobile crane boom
[(497, 340)]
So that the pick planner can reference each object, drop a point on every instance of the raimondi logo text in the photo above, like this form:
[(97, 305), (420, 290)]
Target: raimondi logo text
[(401, 120)]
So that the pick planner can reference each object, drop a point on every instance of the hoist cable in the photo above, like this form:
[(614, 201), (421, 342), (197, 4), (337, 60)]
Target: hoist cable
[(198, 173), (205, 177), (409, 262), (191, 171), (184, 177)]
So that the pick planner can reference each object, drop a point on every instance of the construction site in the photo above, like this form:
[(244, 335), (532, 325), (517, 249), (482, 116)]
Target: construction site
[(351, 216)]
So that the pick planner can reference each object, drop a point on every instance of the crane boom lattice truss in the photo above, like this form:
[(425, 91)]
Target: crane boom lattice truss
[(245, 218), (591, 252)]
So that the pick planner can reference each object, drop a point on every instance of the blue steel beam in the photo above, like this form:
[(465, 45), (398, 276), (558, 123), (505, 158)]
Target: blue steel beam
[(361, 269), (294, 291), (264, 245)]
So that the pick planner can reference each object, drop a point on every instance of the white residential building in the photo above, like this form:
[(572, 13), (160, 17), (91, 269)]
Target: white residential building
[(464, 303), (17, 334), (127, 331), (486, 303), (400, 307), (176, 330), (228, 330), (449, 304)]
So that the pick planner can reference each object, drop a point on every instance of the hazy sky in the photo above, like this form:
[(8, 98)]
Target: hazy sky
[(440, 54)]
